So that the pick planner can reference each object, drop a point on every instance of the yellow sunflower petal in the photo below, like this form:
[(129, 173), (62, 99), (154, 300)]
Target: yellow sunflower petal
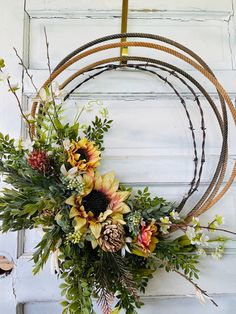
[(122, 209), (103, 216), (118, 217), (83, 142), (114, 187), (88, 184), (94, 244), (123, 195), (74, 212), (96, 229), (79, 223), (108, 180), (98, 181), (70, 200)]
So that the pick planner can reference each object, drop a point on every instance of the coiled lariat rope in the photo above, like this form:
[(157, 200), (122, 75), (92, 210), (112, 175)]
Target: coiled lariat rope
[(145, 68), (213, 192)]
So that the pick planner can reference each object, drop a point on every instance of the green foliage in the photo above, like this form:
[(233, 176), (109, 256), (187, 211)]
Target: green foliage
[(77, 272), (133, 222), (45, 247), (150, 207), (48, 125), (95, 132), (178, 255)]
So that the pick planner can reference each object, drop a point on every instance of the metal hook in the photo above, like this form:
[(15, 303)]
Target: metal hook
[(124, 24)]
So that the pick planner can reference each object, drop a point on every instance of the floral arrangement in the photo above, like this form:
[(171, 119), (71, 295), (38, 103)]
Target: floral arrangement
[(105, 240)]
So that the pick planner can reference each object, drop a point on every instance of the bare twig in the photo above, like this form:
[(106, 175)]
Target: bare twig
[(172, 268), (195, 285), (19, 105), (51, 89), (50, 71), (26, 70), (183, 226)]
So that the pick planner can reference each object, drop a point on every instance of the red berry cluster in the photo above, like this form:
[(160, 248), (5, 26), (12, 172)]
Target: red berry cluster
[(39, 160)]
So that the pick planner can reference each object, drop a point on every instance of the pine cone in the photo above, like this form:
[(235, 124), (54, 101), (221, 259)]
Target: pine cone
[(39, 160), (112, 237)]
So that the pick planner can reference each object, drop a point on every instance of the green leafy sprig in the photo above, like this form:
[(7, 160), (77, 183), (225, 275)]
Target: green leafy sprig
[(95, 132)]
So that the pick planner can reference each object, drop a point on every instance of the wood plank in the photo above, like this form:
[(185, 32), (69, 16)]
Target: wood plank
[(144, 5), (168, 305), (163, 284), (211, 37), (131, 84)]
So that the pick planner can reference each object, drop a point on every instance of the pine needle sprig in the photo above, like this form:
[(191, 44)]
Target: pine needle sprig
[(103, 285), (126, 276)]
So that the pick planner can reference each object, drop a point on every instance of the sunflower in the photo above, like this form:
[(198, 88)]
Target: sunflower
[(83, 155), (101, 199)]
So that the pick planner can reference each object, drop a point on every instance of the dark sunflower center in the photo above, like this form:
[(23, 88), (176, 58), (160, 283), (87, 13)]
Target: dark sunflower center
[(96, 202), (83, 154)]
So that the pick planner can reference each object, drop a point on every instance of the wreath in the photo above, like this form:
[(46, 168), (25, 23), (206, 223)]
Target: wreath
[(105, 239)]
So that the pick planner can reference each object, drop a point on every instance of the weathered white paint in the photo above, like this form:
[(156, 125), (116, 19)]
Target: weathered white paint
[(107, 86), (152, 122), (185, 5), (44, 287), (11, 34), (80, 29), (165, 306)]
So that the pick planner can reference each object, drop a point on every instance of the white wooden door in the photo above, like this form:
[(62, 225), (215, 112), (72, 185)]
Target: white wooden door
[(11, 34), (156, 150)]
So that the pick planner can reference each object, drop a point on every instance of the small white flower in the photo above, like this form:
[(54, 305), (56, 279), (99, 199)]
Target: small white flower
[(190, 233), (55, 145), (54, 263), (218, 254), (219, 220), (175, 215), (195, 221), (204, 240), (201, 251), (125, 248), (28, 145), (4, 76), (18, 143), (88, 107), (66, 144), (55, 269), (14, 86), (167, 223), (104, 112), (69, 174)]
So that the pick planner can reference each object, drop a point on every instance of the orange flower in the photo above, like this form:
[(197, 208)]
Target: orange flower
[(146, 240), (83, 155)]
